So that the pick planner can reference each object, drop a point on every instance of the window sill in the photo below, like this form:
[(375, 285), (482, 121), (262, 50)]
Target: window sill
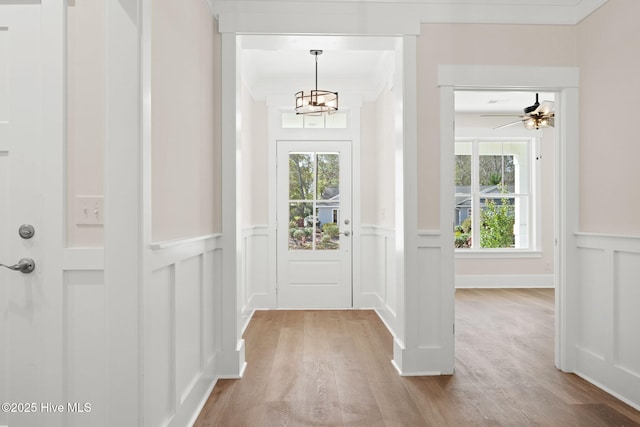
[(497, 253)]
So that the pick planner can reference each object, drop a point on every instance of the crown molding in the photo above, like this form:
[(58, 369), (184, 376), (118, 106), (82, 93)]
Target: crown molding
[(389, 17)]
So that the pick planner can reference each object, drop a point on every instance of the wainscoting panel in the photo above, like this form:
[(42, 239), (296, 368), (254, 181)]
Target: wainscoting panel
[(85, 344), (627, 300), (377, 265), (209, 304), (595, 301), (373, 271), (425, 346), (188, 300), (181, 314), (429, 297), (258, 282), (389, 264), (159, 336), (608, 348), (182, 329)]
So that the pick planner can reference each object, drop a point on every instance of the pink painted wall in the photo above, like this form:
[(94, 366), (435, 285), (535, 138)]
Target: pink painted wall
[(481, 45), (609, 59), (185, 130)]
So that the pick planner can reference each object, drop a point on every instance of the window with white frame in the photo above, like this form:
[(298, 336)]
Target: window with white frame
[(493, 190), (291, 120)]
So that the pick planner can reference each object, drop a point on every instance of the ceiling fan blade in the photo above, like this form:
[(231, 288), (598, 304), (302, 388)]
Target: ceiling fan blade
[(501, 115), (545, 108), (508, 124)]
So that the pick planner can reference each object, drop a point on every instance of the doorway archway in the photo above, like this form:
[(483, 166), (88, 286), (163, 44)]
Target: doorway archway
[(564, 81)]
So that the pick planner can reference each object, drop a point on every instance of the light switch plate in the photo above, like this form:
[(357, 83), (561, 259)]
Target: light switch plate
[(89, 210)]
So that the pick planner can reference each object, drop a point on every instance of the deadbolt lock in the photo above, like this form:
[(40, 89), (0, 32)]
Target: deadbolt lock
[(26, 231)]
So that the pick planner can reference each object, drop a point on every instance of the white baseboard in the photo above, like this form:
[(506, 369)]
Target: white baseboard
[(505, 281), (189, 410)]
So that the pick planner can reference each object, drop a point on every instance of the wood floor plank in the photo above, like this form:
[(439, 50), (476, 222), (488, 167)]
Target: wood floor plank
[(332, 368)]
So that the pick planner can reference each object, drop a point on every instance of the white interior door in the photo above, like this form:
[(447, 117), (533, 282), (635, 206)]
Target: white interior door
[(314, 224), (27, 347)]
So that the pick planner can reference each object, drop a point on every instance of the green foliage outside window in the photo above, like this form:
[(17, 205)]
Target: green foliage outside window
[(463, 234), (496, 224)]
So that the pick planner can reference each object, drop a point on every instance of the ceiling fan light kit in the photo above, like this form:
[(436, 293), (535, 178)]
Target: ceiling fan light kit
[(538, 123), (316, 101)]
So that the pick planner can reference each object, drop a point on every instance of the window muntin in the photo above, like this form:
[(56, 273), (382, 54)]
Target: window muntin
[(493, 178)]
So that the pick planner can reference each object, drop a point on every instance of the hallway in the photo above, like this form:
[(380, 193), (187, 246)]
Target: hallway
[(333, 368)]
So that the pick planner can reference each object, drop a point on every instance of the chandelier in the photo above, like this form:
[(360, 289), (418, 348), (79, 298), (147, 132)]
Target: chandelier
[(316, 102)]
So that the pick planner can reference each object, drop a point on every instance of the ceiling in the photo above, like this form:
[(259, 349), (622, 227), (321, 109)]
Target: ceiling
[(277, 66), (352, 66), (496, 102)]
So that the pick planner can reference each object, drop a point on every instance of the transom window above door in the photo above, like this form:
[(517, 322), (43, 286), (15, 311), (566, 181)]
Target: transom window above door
[(291, 120)]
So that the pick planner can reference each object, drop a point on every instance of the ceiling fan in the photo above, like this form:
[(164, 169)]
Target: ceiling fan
[(536, 116)]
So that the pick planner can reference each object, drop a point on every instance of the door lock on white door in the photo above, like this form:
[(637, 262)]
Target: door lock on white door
[(26, 231), (25, 266)]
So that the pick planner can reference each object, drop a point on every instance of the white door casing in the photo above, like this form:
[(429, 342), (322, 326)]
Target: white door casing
[(564, 81), (314, 264), (31, 131)]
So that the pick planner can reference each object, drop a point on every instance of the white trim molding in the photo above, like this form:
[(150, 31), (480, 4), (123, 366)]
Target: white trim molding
[(258, 284), (185, 285), (500, 281), (390, 16), (377, 273), (563, 80), (607, 346)]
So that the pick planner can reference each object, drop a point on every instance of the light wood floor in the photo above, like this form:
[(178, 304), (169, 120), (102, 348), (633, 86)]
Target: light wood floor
[(332, 368)]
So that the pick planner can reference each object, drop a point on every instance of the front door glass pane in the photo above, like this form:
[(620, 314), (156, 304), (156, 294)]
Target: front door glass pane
[(301, 176), (314, 201)]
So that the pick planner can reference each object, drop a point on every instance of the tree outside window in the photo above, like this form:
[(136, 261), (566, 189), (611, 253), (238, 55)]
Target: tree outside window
[(492, 180)]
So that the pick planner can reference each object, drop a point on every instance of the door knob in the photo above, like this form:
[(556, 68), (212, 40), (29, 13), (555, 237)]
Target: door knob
[(346, 233), (25, 266)]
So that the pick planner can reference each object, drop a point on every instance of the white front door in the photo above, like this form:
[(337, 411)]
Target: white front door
[(30, 312), (314, 224)]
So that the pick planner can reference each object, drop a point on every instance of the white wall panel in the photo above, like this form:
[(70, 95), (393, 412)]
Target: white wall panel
[(390, 282), (159, 355), (208, 308), (85, 344), (594, 298), (182, 329), (627, 319), (608, 348), (372, 265), (216, 327), (429, 290), (377, 273), (258, 269), (258, 257), (188, 300)]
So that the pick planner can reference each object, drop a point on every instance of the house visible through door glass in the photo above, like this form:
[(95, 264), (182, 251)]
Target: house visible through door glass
[(314, 201)]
